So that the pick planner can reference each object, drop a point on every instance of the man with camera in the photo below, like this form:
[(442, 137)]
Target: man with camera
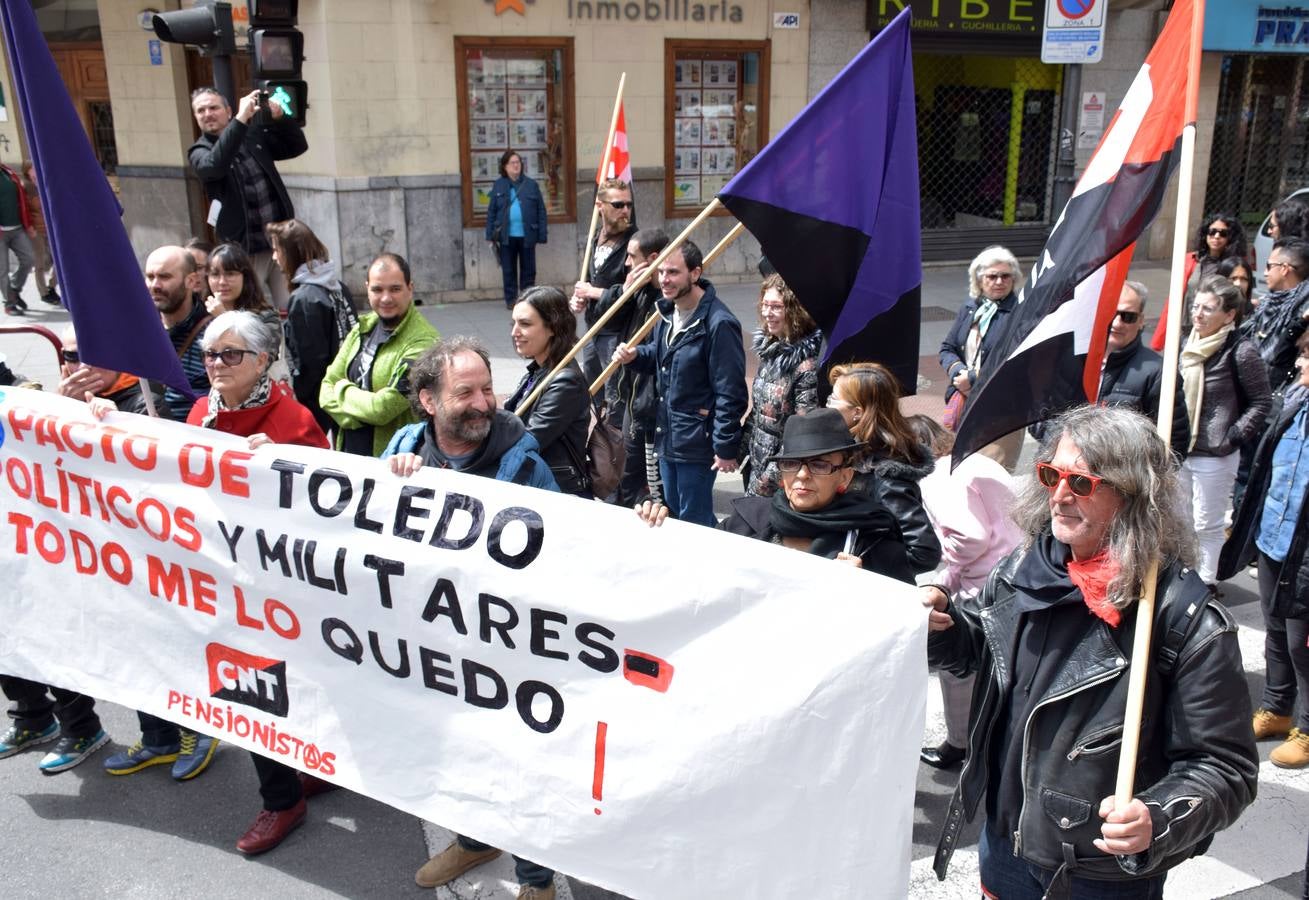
[(235, 158)]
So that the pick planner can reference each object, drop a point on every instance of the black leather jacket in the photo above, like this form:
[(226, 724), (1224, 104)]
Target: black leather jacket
[(1197, 768), (559, 420), (894, 484)]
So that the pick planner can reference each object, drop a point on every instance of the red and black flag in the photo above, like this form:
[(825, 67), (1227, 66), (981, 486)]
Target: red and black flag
[(1050, 355)]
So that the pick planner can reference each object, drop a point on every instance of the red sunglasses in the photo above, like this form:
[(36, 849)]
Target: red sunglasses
[(1081, 484)]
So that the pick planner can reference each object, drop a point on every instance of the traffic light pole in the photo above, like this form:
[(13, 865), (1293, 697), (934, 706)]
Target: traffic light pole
[(223, 80)]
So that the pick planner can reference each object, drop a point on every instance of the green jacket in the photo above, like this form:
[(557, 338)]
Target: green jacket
[(385, 408)]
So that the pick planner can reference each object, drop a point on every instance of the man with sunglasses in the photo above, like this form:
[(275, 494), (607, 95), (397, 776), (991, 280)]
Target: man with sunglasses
[(606, 267), (1132, 373), (1280, 318), (1050, 640)]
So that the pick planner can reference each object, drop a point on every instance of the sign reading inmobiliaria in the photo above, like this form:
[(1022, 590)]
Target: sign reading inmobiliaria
[(668, 713)]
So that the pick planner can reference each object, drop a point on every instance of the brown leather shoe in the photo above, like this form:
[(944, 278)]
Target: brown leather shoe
[(271, 828), (1294, 753), (312, 787), (1268, 724), (450, 863), (527, 892)]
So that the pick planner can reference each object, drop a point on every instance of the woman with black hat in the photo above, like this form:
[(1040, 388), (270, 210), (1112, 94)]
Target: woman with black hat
[(815, 511)]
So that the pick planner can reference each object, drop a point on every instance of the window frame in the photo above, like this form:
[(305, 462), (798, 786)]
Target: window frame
[(712, 49), (464, 43)]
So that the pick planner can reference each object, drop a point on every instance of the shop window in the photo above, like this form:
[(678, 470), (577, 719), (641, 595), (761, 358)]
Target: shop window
[(716, 115), (516, 94)]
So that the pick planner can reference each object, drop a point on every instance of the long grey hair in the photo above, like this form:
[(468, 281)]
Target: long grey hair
[(1123, 448)]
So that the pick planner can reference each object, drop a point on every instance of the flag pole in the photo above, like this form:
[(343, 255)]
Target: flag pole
[(644, 331), (1125, 786), (617, 305), (604, 173)]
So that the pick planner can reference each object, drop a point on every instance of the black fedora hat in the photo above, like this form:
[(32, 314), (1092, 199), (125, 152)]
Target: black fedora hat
[(814, 434)]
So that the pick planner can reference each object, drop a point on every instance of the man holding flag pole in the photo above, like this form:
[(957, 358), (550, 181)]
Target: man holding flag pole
[(1097, 774)]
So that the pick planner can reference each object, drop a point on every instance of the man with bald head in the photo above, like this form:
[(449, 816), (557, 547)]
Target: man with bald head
[(174, 283)]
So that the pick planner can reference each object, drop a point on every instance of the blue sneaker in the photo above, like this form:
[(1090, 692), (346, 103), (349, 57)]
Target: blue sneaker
[(139, 756), (17, 739), (70, 752), (194, 755)]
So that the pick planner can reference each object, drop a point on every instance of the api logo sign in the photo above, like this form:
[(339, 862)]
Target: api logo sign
[(249, 680)]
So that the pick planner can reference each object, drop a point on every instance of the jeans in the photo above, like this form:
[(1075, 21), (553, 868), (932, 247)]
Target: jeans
[(1286, 657), (1206, 486), (526, 871), (518, 266), (279, 785), (689, 491), (1009, 877), (16, 241), (272, 279), (596, 355), (34, 710)]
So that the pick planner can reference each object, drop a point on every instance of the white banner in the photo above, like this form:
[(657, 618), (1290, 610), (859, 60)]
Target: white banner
[(666, 713)]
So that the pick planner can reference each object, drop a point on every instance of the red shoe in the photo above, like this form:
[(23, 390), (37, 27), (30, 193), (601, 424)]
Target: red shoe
[(271, 828), (312, 787)]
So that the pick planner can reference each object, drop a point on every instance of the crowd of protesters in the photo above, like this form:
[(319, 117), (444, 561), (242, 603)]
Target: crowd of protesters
[(1029, 577)]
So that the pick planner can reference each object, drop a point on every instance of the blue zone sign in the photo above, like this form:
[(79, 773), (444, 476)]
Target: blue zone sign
[(1244, 27)]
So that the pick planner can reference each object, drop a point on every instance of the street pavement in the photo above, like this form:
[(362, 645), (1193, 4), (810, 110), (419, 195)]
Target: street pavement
[(85, 834)]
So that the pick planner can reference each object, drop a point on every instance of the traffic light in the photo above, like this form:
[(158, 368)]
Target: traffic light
[(278, 50), (208, 25)]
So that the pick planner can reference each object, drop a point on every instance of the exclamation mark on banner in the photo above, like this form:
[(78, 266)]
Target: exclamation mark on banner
[(598, 780)]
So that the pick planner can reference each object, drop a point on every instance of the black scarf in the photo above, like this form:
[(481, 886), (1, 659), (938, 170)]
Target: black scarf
[(1041, 579), (827, 527)]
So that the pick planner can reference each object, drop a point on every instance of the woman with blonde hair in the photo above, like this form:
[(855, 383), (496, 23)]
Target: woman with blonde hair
[(892, 460)]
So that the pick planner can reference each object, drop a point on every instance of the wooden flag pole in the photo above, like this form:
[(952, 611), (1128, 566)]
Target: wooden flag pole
[(1125, 785), (644, 331), (617, 305), (604, 173)]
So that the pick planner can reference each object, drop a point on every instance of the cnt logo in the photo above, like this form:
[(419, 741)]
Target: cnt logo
[(246, 679)]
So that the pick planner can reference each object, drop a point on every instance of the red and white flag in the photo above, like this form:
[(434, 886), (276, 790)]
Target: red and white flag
[(1048, 359), (620, 161)]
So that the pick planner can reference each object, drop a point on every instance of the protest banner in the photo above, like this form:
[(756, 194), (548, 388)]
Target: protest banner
[(667, 713)]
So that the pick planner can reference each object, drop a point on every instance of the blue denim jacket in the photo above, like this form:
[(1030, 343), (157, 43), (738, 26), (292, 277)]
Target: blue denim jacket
[(1286, 490)]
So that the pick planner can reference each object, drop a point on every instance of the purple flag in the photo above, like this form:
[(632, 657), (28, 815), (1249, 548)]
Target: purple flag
[(117, 325), (833, 201)]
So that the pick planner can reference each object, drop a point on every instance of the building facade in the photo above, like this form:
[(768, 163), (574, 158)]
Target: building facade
[(411, 102)]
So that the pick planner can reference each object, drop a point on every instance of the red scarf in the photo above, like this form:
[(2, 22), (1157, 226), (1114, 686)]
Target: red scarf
[(1092, 577)]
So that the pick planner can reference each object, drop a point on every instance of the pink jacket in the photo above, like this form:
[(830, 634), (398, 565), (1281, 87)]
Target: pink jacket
[(969, 509)]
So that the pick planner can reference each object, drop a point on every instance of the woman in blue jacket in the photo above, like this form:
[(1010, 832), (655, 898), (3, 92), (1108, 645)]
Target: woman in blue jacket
[(515, 224)]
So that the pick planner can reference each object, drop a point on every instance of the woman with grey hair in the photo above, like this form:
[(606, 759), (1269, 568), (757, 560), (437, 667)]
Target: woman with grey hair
[(1050, 640), (994, 280), (243, 400)]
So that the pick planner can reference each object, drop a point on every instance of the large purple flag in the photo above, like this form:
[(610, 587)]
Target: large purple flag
[(117, 324), (833, 201)]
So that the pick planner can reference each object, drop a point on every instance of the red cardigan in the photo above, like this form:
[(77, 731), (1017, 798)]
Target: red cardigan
[(282, 418)]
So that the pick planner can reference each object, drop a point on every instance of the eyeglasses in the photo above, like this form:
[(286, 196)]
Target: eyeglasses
[(998, 276), (1219, 232), (619, 204), (815, 466), (231, 356), (1128, 317), (772, 307), (1268, 265), (70, 356), (1081, 484)]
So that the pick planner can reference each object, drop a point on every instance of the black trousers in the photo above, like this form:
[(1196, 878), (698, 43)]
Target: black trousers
[(279, 785), (34, 709), (157, 732)]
